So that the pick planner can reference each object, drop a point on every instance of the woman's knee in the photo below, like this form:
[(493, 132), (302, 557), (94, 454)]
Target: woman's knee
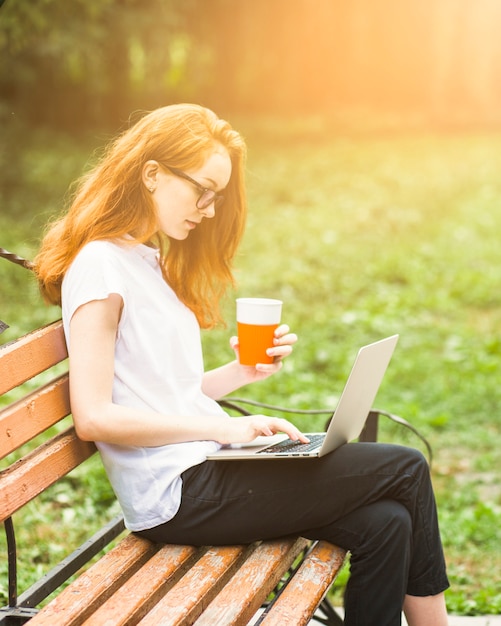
[(406, 454), (418, 459), (410, 461)]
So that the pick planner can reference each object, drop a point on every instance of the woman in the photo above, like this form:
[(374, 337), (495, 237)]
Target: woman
[(139, 264)]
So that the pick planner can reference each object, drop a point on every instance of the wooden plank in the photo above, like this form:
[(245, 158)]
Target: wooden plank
[(185, 601), (26, 357), (27, 418), (301, 597), (28, 477), (143, 590), (80, 599), (252, 583), (140, 593)]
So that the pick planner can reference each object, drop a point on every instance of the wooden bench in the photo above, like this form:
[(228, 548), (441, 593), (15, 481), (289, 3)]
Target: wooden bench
[(138, 582)]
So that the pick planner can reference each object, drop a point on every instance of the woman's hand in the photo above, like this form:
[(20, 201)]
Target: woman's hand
[(282, 347), (223, 380), (245, 429)]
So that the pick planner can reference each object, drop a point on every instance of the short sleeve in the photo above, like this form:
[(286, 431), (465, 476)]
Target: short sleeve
[(95, 273)]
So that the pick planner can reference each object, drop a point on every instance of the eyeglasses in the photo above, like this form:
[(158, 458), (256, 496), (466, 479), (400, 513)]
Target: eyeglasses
[(207, 196)]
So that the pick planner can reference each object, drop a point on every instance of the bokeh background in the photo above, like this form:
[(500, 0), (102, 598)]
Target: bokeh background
[(431, 63)]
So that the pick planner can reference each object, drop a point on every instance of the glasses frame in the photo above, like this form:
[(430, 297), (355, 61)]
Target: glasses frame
[(211, 196)]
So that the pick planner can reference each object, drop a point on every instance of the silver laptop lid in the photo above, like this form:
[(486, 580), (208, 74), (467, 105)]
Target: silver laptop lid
[(359, 393)]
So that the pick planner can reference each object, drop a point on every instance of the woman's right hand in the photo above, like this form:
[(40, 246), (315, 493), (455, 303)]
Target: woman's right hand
[(245, 429)]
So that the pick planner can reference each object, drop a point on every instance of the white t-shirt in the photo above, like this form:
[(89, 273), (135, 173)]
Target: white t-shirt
[(158, 366)]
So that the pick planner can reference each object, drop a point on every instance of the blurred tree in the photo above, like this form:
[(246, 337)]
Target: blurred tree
[(48, 51), (86, 62), (72, 63)]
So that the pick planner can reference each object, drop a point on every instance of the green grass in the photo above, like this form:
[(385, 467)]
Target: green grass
[(361, 237)]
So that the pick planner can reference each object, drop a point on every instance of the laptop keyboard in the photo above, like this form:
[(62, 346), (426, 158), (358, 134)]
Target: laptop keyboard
[(294, 447)]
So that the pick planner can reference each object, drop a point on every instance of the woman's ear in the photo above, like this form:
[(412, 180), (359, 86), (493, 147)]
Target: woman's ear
[(149, 175)]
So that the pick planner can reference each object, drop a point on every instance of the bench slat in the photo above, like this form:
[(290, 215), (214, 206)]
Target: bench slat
[(140, 593), (80, 599), (27, 418), (301, 597), (28, 477), (184, 602), (30, 355), (253, 582)]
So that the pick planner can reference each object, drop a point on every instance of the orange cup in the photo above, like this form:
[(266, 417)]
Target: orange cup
[(257, 319)]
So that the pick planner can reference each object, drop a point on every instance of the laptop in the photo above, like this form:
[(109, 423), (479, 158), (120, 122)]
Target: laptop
[(347, 420)]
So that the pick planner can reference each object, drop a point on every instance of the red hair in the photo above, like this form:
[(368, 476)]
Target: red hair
[(112, 203)]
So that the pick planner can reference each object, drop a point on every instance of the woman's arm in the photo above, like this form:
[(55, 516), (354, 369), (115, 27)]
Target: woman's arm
[(93, 330)]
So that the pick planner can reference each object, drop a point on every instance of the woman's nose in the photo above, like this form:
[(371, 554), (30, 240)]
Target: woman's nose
[(209, 211)]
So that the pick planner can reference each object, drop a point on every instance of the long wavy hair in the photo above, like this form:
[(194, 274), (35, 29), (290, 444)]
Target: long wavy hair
[(112, 203)]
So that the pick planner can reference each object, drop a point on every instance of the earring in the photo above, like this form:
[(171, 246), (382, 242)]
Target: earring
[(151, 189)]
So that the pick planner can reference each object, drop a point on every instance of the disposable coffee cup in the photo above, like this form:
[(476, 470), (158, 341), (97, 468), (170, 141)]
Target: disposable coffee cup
[(257, 319)]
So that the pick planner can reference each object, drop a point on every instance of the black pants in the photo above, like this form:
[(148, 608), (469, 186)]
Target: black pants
[(375, 500)]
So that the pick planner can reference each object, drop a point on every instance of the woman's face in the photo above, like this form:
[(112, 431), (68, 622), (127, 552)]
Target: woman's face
[(176, 197)]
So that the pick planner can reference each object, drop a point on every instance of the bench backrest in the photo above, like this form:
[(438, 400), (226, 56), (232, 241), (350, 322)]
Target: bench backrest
[(34, 415)]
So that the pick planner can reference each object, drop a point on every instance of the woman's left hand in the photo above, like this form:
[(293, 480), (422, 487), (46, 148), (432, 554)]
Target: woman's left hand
[(282, 347)]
